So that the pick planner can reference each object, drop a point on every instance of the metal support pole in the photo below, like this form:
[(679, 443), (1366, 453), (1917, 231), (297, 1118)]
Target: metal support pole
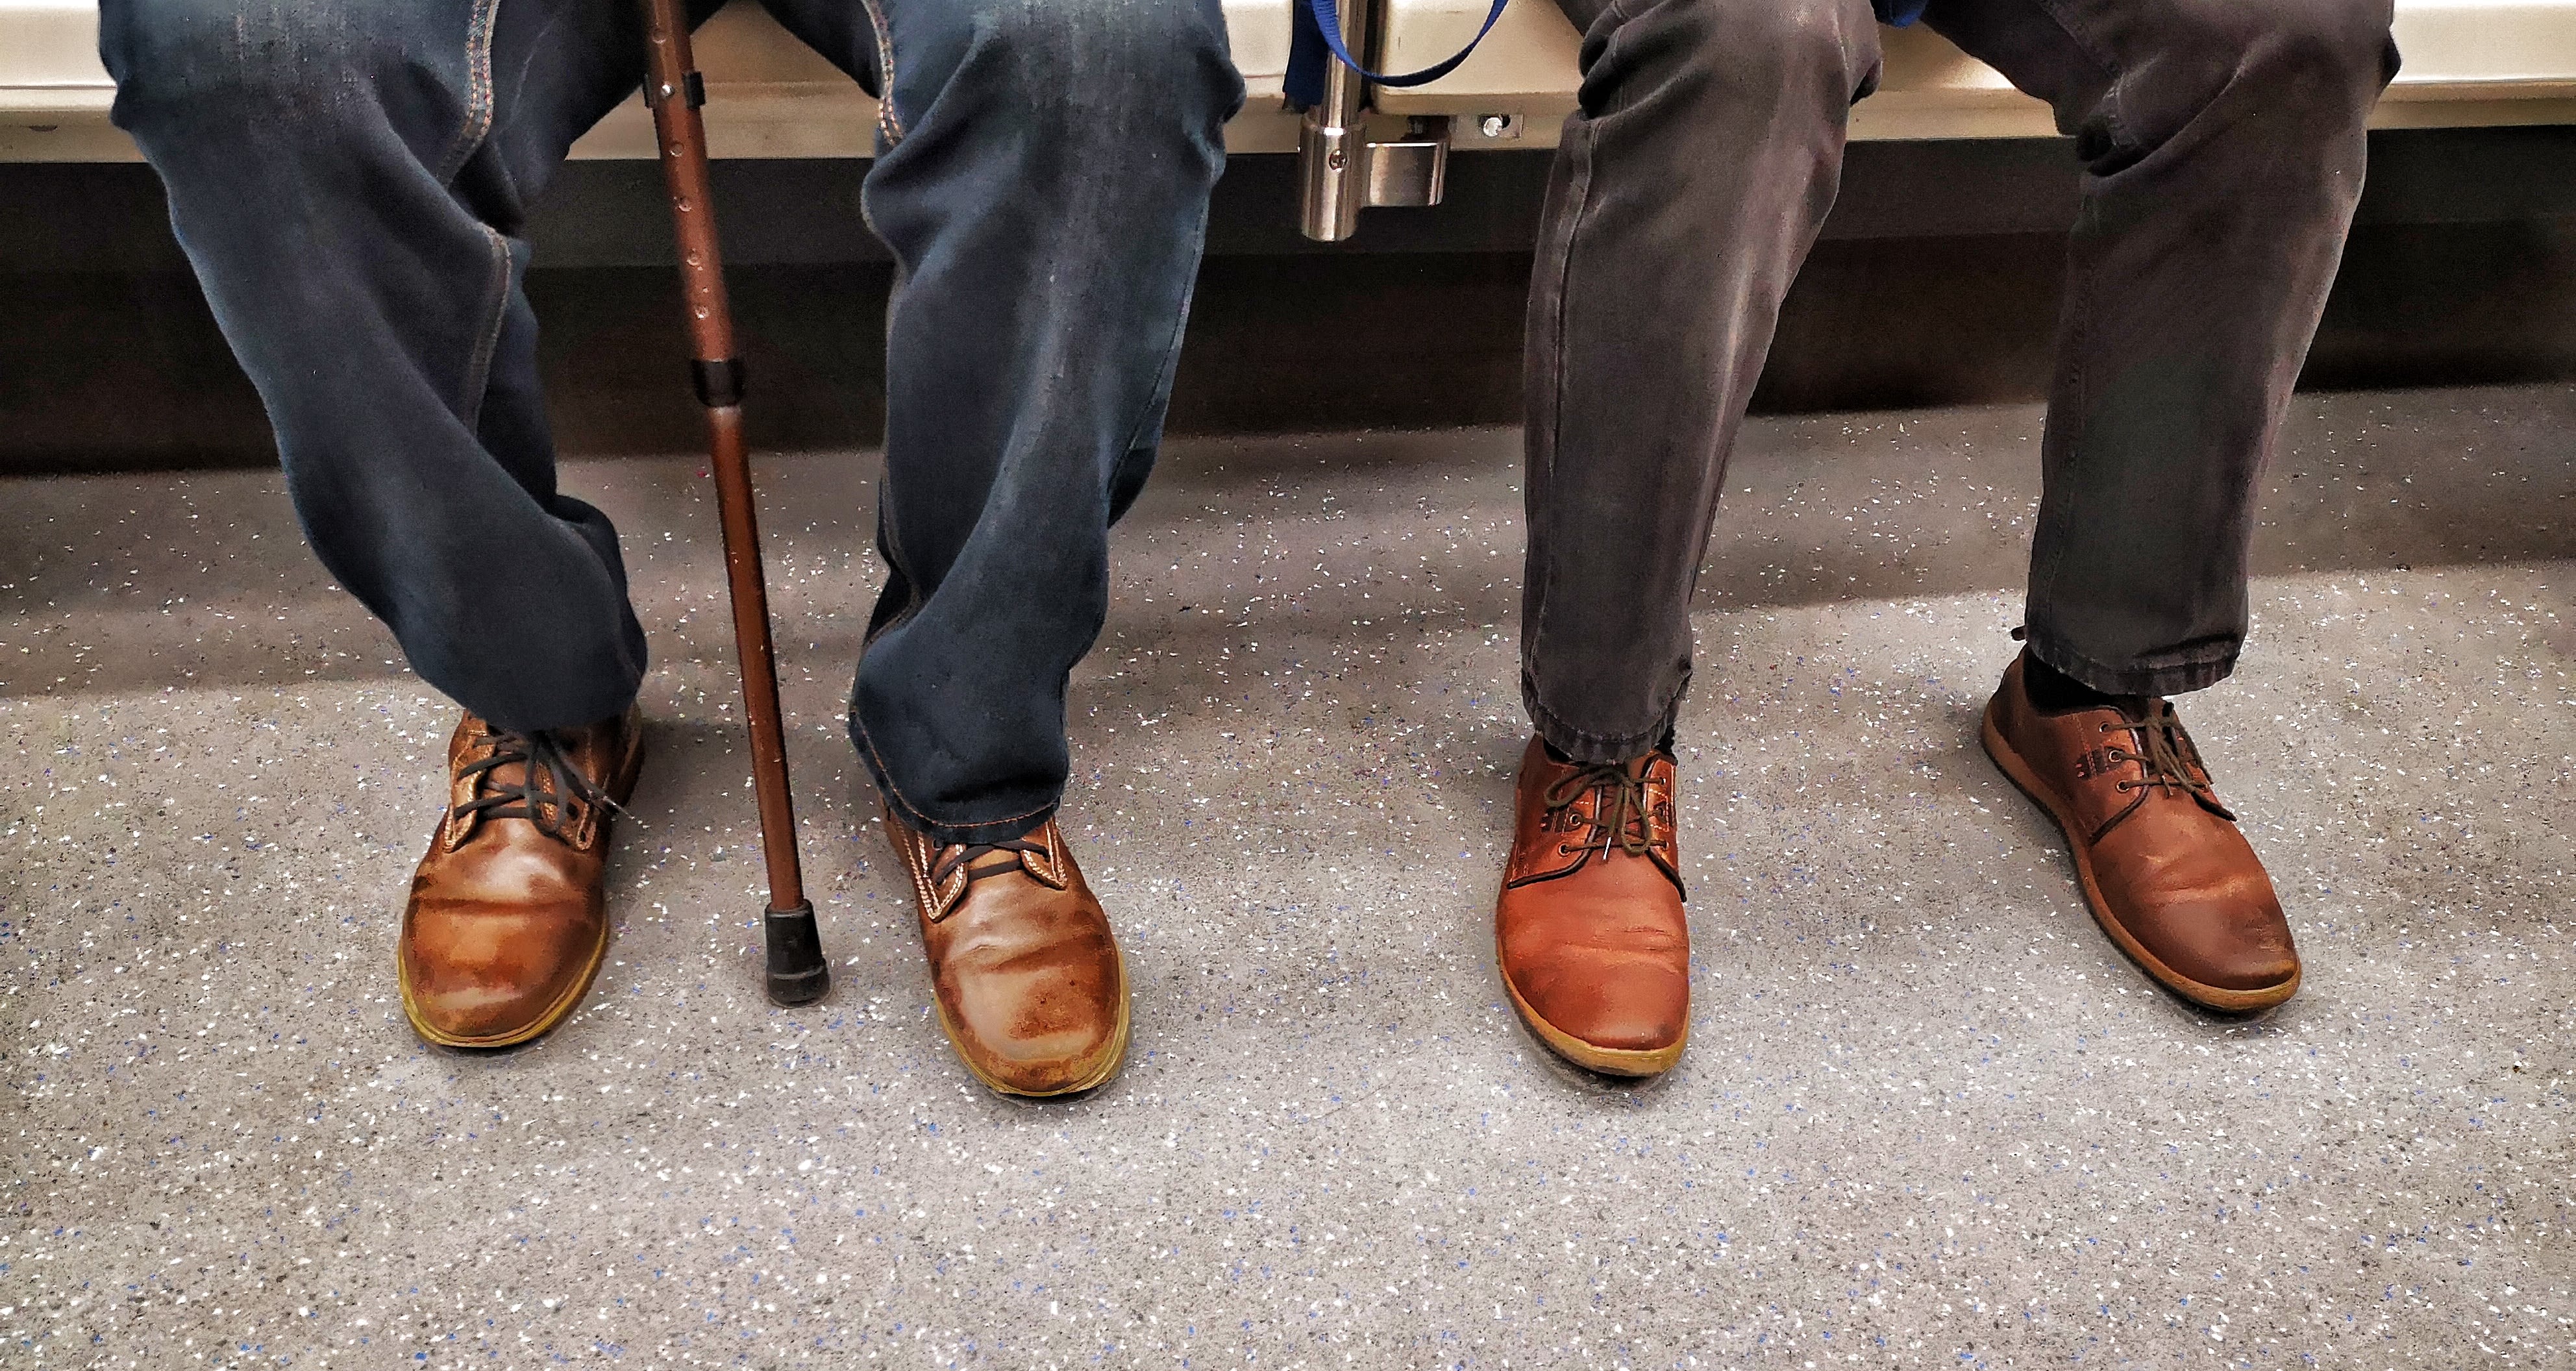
[(797, 972), (1332, 148), (1340, 172)]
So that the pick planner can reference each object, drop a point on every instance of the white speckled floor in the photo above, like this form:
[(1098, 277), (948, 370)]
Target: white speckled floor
[(1928, 1118)]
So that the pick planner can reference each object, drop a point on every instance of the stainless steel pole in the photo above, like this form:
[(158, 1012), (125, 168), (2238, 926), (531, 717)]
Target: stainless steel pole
[(1332, 148)]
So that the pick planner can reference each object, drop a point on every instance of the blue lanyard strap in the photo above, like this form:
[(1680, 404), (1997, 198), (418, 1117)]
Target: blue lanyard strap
[(1318, 31)]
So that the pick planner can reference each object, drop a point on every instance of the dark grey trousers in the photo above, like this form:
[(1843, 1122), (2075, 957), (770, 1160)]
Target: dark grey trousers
[(2222, 149)]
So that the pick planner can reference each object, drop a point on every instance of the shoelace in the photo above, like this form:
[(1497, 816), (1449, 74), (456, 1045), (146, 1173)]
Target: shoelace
[(1618, 810), (494, 799), (2165, 751), (962, 856)]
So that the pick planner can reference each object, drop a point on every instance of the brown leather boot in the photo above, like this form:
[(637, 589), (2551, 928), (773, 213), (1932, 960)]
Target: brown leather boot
[(508, 922), (1589, 931), (1030, 987), (2162, 864)]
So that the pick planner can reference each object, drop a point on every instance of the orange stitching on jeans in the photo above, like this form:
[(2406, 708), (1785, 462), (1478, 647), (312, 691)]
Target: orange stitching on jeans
[(478, 90), (889, 123), (478, 368), (488, 346)]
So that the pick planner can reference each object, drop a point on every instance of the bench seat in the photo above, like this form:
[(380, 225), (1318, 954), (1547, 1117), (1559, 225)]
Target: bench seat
[(2468, 62)]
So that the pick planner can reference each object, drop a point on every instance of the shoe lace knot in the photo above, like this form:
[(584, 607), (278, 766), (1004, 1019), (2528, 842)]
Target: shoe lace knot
[(1620, 815), (968, 854), (552, 791)]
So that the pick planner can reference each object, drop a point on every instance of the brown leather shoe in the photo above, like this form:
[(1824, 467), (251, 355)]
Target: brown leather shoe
[(1589, 931), (1030, 987), (2162, 864), (508, 922)]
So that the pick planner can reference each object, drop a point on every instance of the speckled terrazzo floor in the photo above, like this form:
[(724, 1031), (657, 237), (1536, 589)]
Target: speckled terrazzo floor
[(1928, 1117)]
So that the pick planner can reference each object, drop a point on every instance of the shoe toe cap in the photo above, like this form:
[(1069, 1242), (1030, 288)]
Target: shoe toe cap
[(491, 978), (1619, 1003), (1044, 1030), (2232, 944)]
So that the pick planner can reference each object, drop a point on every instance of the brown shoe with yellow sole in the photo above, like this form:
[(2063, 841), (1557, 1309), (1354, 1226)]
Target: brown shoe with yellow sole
[(508, 921), (2162, 865), (1026, 974), (1589, 931)]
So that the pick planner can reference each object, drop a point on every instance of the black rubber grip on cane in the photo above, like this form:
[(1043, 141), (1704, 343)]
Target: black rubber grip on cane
[(797, 972), (719, 382)]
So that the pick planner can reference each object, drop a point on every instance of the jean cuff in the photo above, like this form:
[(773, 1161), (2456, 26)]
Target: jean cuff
[(2180, 675), (945, 829), (1594, 749)]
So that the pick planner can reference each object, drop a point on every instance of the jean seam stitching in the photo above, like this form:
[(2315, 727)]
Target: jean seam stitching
[(2074, 34), (2043, 579), (1171, 349), (479, 97), (889, 123), (1537, 626), (478, 368), (2100, 57)]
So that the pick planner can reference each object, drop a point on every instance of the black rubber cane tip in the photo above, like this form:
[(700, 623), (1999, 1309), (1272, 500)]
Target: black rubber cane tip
[(797, 972)]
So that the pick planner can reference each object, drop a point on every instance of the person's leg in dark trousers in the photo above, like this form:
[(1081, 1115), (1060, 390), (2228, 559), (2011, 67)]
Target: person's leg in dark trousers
[(2196, 94), (1043, 177), (1687, 191), (348, 181), (2222, 146), (1043, 183)]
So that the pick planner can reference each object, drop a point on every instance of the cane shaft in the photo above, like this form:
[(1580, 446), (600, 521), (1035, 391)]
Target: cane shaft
[(744, 579), (671, 88)]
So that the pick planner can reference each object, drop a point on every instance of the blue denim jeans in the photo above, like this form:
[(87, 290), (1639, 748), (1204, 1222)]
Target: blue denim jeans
[(349, 179)]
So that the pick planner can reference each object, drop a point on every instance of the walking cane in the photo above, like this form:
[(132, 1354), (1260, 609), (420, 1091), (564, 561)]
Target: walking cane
[(797, 972)]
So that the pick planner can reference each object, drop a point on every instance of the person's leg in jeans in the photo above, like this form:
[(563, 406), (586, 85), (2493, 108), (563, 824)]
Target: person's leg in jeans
[(1043, 182), (1687, 190), (2222, 147), (348, 180)]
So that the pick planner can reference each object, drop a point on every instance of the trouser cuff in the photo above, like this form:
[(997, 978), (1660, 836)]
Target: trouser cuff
[(947, 826), (2181, 675), (569, 709), (1594, 749)]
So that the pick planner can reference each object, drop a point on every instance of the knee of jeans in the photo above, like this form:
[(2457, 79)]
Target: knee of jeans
[(2343, 49), (1770, 45), (205, 61), (2325, 60), (1074, 65)]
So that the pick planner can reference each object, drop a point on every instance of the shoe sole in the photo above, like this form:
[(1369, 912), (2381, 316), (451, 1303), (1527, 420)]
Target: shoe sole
[(1605, 1061), (2025, 779), (1093, 1077), (622, 787)]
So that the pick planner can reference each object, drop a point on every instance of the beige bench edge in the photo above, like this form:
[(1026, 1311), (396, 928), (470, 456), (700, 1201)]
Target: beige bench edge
[(2471, 63)]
